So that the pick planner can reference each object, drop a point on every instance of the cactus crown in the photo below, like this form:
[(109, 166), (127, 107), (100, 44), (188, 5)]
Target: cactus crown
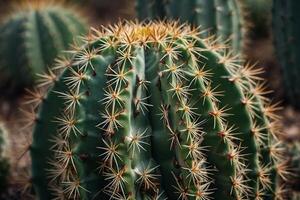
[(31, 38), (153, 111), (220, 17)]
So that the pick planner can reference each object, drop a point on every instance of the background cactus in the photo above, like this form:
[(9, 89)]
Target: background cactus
[(4, 163), (221, 17), (152, 111), (257, 17), (286, 29), (30, 40)]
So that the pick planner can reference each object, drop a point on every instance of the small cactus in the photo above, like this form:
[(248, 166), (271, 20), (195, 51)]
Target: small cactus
[(222, 18), (30, 40), (153, 111), (286, 29)]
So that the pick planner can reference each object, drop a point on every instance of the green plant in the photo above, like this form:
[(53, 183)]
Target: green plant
[(152, 111), (4, 163), (220, 17), (30, 40), (286, 29)]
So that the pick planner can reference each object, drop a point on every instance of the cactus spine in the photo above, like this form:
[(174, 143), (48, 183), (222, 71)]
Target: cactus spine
[(286, 29), (30, 40), (220, 17), (152, 111)]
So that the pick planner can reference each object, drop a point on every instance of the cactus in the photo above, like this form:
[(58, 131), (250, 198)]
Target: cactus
[(153, 111), (4, 163), (286, 21), (30, 40), (220, 17)]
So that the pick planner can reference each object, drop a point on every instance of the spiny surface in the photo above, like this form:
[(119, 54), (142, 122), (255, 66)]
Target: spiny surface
[(153, 111), (31, 38)]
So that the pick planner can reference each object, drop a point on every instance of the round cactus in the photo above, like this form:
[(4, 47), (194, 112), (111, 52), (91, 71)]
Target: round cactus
[(153, 111), (31, 37)]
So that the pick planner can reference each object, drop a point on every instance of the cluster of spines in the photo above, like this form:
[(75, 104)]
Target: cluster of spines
[(221, 18), (176, 86)]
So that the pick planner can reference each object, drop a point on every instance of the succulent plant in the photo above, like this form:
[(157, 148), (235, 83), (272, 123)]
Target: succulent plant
[(4, 163), (286, 23), (30, 40), (154, 111), (220, 17)]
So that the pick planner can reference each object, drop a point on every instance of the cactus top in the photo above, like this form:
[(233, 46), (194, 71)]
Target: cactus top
[(153, 111), (220, 17)]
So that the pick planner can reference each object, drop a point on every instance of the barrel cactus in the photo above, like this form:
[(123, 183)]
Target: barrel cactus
[(286, 29), (31, 37), (4, 162), (153, 111)]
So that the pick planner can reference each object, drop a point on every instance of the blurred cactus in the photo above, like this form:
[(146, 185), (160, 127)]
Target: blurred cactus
[(30, 40), (286, 30), (4, 163), (257, 17), (152, 111)]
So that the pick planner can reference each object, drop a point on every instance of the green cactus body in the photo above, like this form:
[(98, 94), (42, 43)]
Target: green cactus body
[(152, 111), (220, 17), (30, 40), (286, 30), (4, 163)]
